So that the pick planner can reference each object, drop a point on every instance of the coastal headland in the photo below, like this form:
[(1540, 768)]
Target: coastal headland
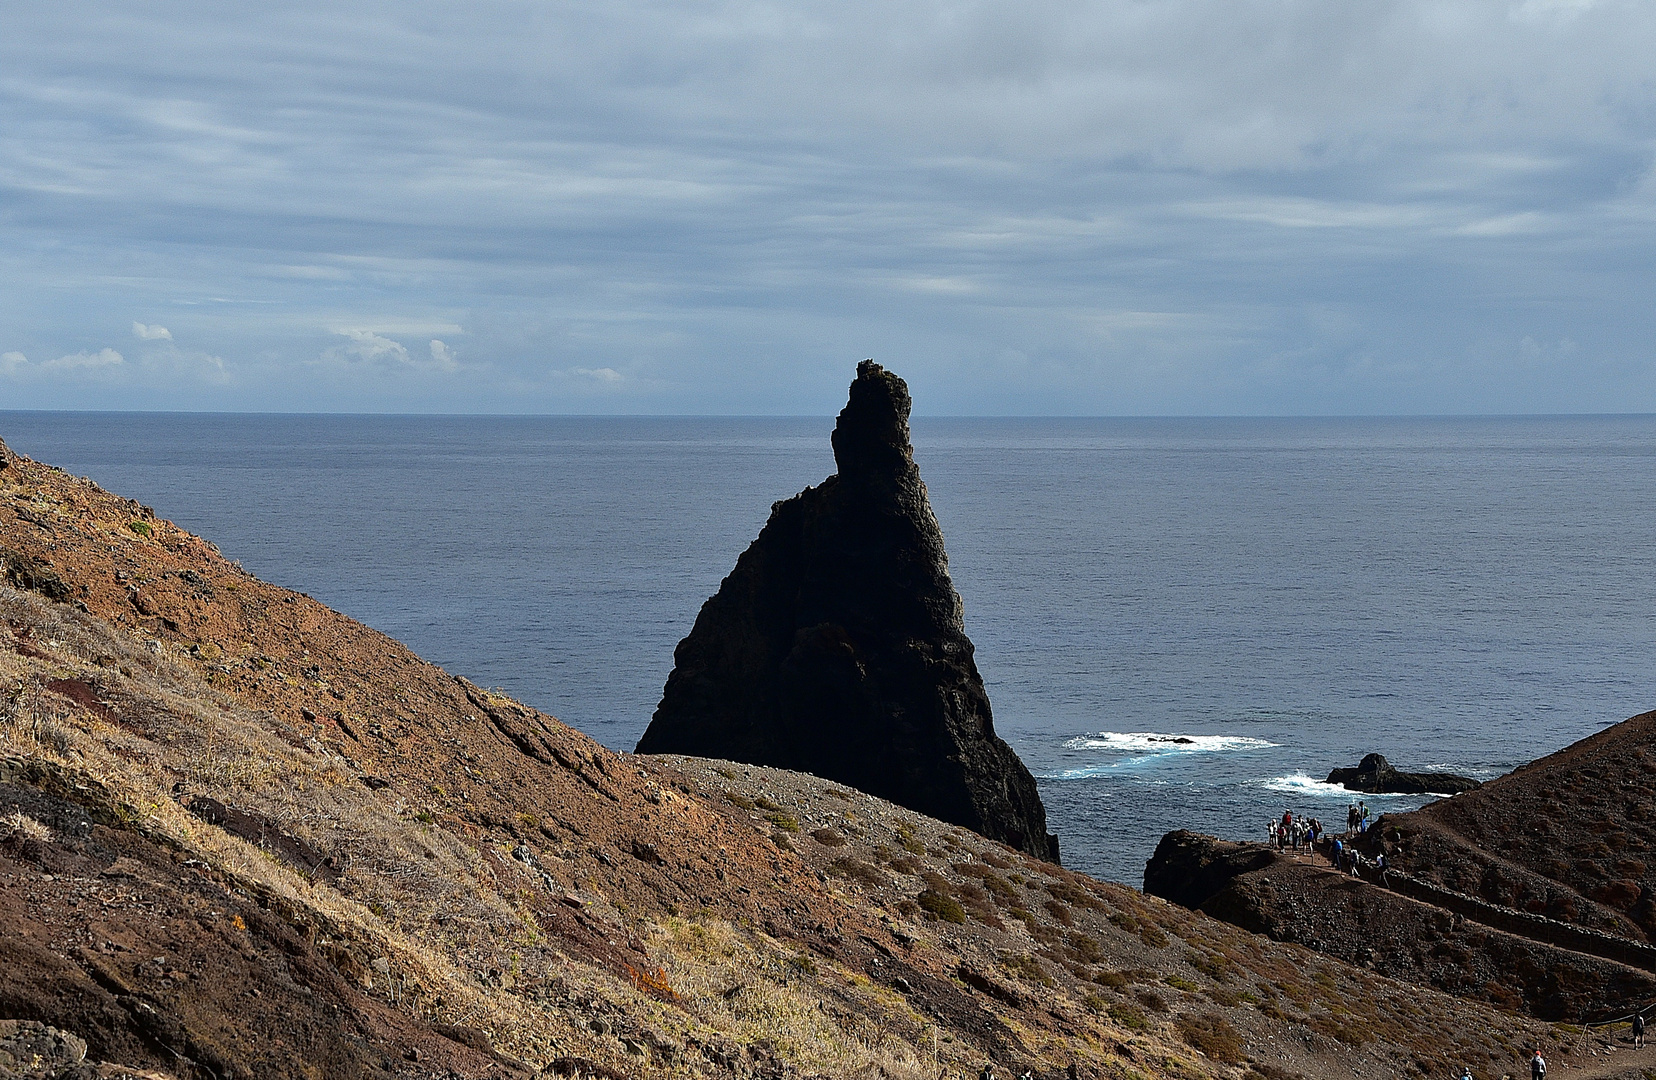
[(1533, 891), (242, 835)]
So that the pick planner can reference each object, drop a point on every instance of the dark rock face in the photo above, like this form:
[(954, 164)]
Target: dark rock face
[(1375, 775), (1203, 873), (836, 646)]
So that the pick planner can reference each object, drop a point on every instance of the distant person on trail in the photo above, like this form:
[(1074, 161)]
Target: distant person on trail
[(1638, 1031), (1351, 818), (1466, 1073), (1337, 855), (1538, 1066)]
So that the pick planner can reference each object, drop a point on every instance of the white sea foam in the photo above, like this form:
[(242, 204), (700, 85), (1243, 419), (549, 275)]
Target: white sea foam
[(1150, 742), (1298, 783)]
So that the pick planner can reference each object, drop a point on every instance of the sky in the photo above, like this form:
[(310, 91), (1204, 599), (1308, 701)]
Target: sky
[(1119, 207)]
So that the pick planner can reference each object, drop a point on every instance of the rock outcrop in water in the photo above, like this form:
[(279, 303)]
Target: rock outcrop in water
[(837, 647), (1376, 776)]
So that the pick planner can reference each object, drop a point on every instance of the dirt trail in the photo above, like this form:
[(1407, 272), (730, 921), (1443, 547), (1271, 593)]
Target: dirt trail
[(1611, 1063)]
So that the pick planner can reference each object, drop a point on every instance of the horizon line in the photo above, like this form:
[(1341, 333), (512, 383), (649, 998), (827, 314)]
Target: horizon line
[(341, 413)]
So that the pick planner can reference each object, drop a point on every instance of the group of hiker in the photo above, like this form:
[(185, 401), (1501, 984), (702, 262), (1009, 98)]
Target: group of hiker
[(1292, 832), (1296, 832)]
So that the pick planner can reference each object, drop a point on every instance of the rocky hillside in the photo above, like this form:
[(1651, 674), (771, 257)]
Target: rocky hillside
[(1532, 892), (244, 836), (1571, 836)]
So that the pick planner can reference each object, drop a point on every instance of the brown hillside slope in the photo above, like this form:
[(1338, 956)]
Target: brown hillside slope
[(1533, 892), (242, 835), (1571, 836)]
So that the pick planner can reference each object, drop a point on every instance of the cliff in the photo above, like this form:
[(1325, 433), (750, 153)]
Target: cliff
[(244, 836), (837, 646)]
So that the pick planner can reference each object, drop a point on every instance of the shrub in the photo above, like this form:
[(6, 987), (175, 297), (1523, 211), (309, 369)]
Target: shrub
[(1151, 1000), (1213, 1036), (828, 838), (854, 869), (991, 880), (765, 804), (140, 528), (1074, 895), (941, 906), (1027, 968), (785, 822), (1129, 1017)]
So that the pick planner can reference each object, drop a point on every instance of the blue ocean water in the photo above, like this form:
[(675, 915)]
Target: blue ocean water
[(1181, 622)]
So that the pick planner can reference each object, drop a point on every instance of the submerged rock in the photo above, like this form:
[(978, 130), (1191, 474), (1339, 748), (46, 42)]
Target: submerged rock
[(1375, 775), (837, 646)]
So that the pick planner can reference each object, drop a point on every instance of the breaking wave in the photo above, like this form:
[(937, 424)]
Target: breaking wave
[(1149, 742), (1298, 783), (1125, 749)]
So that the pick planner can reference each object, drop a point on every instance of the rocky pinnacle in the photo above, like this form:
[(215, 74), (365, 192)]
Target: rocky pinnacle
[(837, 647)]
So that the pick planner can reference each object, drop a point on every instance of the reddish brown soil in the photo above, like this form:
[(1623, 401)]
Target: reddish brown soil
[(573, 883)]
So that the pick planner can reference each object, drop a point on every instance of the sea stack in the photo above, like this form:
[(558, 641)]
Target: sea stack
[(837, 646)]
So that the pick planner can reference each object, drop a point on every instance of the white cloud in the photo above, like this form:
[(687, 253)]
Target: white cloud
[(11, 361), (442, 356), (370, 347), (151, 333), (603, 376), (103, 358)]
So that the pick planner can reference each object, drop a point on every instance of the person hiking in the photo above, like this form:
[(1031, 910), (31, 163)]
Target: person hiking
[(1538, 1066), (988, 1070), (1638, 1031), (1466, 1073)]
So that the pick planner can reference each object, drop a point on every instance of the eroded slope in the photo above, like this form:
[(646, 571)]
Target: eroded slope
[(300, 841)]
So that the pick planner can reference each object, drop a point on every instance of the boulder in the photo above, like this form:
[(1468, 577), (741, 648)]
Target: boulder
[(1191, 868), (837, 646), (1376, 776)]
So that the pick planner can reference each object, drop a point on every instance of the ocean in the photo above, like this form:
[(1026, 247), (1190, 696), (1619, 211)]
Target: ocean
[(1182, 623)]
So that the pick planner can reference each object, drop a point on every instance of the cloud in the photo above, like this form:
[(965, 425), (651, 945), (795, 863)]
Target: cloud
[(724, 206), (369, 347), (11, 361), (151, 333), (102, 359)]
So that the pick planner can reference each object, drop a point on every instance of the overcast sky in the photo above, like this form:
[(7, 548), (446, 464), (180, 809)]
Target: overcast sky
[(1236, 206)]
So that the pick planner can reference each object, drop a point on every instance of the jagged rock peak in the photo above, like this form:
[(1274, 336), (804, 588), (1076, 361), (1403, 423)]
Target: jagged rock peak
[(871, 436), (837, 645)]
